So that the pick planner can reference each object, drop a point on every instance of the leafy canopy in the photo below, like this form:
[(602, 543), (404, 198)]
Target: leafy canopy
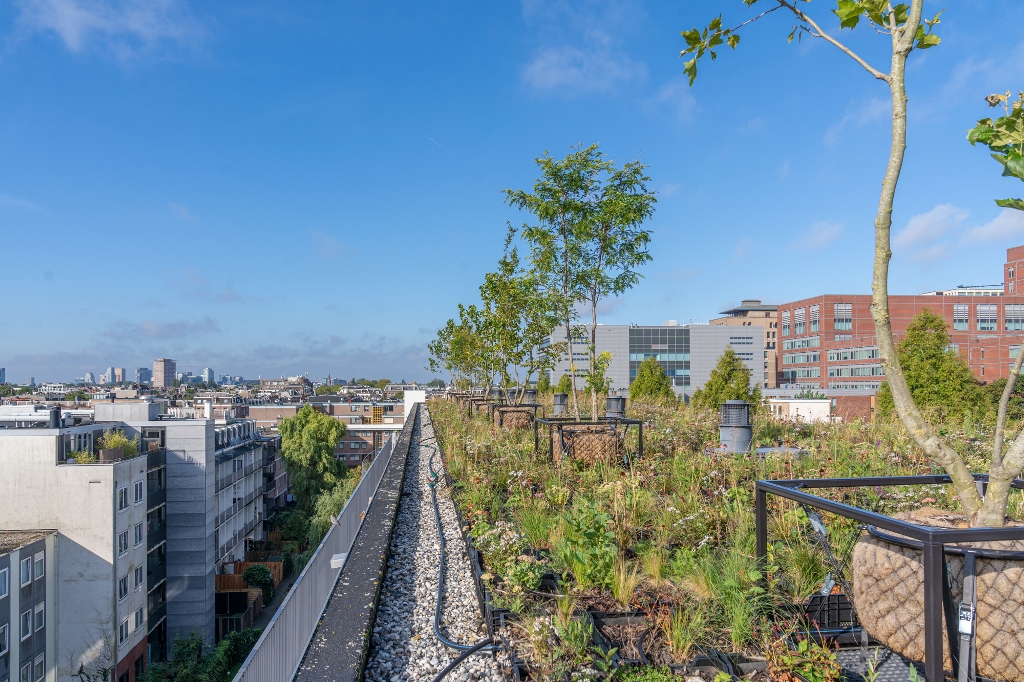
[(938, 377), (1005, 139), (564, 385), (651, 383), (730, 380), (308, 441)]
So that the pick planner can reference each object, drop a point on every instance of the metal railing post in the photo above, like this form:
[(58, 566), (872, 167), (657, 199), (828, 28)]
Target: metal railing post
[(934, 575), (761, 529)]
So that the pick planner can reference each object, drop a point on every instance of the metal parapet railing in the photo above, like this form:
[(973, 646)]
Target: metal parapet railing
[(280, 648)]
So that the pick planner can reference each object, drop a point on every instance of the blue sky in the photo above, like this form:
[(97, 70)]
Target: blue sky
[(312, 187)]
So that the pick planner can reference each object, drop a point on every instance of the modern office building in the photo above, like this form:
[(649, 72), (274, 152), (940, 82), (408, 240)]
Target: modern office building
[(28, 648), (120, 375), (108, 376), (687, 353), (753, 313), (163, 373), (207, 375), (89, 378), (829, 341), (3, 375), (143, 375)]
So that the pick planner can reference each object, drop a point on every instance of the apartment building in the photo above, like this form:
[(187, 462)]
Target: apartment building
[(753, 313), (687, 353), (27, 589), (829, 341), (164, 371), (96, 500)]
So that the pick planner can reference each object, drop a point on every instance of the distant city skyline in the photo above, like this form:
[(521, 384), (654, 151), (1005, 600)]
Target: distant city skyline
[(316, 186)]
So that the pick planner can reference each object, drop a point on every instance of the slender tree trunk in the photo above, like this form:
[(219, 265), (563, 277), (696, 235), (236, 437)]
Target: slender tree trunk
[(568, 303), (920, 430)]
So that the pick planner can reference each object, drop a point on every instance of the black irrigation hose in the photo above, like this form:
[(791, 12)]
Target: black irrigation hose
[(465, 648), (463, 656)]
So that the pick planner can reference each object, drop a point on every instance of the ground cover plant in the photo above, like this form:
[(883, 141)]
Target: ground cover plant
[(672, 535)]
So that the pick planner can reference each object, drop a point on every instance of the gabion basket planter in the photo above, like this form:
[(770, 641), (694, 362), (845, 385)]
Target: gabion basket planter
[(888, 589), (908, 576), (589, 441), (515, 417)]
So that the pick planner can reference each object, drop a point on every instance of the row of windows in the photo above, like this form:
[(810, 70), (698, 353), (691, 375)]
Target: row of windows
[(807, 342), (844, 354), (799, 358), (40, 670), (123, 631), (801, 373), (802, 323), (138, 495), (660, 357), (27, 564), (856, 385), (31, 620), (856, 371)]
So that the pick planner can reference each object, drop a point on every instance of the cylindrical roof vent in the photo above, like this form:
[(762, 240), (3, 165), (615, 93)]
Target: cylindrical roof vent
[(735, 413), (615, 406), (530, 396), (561, 400)]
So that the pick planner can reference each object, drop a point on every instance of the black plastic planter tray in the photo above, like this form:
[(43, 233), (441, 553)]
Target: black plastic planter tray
[(601, 619), (706, 663)]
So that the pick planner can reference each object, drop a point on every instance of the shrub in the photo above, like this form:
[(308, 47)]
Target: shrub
[(258, 575), (587, 547), (116, 439)]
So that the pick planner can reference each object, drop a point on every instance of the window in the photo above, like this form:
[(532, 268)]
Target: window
[(988, 318), (799, 322), (26, 673), (1011, 287), (4, 639), (4, 580), (26, 571), (122, 543), (843, 316), (807, 342), (140, 618), (122, 587), (843, 337), (139, 491), (122, 631), (26, 625), (856, 371), (40, 667), (139, 535), (40, 616), (1014, 314), (140, 575), (961, 315), (40, 565), (1010, 273), (842, 355), (122, 498), (785, 323), (799, 358), (815, 310)]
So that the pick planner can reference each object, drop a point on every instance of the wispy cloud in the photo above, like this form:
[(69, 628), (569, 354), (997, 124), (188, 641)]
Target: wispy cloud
[(744, 247), (1009, 224), (327, 246), (866, 112), (195, 285), (820, 235), (675, 98), (919, 239), (182, 213), (570, 71), (167, 329), (126, 27), (19, 202)]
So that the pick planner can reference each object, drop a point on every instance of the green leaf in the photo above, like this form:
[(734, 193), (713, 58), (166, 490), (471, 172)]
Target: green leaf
[(1011, 203), (733, 41), (1014, 165), (692, 37), (690, 69), (792, 33), (848, 12), (981, 132), (926, 40)]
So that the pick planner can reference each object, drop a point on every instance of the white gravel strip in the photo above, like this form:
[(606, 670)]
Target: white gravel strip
[(404, 646)]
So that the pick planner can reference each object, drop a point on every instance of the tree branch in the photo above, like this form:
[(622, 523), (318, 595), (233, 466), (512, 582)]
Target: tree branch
[(817, 32), (1004, 401)]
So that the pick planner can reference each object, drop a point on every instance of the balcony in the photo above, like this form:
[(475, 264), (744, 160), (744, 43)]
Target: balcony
[(156, 498), (156, 458), (156, 576), (155, 537)]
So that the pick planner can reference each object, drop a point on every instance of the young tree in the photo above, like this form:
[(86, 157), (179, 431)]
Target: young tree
[(615, 245), (563, 202), (938, 377), (564, 385), (651, 383), (307, 445), (907, 30), (544, 382), (729, 380)]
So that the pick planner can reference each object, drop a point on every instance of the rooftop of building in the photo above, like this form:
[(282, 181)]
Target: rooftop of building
[(11, 540), (969, 290), (750, 305)]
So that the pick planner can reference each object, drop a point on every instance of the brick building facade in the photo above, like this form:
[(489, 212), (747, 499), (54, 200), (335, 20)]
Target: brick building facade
[(829, 341)]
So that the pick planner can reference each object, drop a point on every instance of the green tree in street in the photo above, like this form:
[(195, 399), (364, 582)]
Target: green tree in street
[(730, 380), (308, 441), (938, 377), (651, 383)]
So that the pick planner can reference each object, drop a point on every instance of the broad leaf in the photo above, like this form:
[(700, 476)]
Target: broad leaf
[(848, 12), (1011, 203), (1014, 165)]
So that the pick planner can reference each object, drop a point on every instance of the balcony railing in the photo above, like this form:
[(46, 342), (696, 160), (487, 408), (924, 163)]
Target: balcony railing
[(155, 537), (156, 458), (156, 498), (156, 576)]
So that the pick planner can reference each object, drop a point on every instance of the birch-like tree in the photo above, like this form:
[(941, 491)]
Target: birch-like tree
[(905, 27)]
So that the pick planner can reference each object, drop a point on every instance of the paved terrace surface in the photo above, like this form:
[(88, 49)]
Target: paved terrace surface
[(340, 642)]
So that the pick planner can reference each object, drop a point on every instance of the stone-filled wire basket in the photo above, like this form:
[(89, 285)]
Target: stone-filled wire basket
[(515, 417), (900, 571), (589, 441)]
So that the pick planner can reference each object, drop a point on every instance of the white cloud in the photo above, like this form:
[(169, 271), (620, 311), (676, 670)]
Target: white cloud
[(819, 236), (925, 229), (126, 27), (18, 202), (676, 98), (571, 70), (1009, 224), (744, 247), (181, 212), (870, 111)]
